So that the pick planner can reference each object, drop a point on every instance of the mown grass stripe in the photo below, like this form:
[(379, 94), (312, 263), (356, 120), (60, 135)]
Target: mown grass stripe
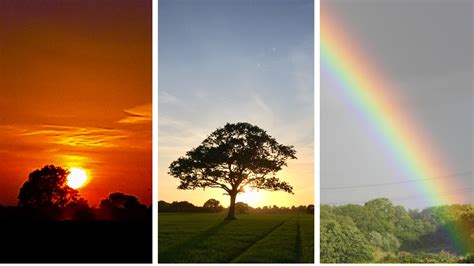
[(307, 238), (263, 238), (298, 241), (223, 244), (167, 254), (243, 253)]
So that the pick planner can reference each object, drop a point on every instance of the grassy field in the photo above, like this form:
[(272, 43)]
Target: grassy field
[(251, 238)]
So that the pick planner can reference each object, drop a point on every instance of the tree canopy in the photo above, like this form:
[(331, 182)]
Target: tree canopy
[(213, 204), (47, 187), (341, 241), (385, 228), (234, 157), (119, 200)]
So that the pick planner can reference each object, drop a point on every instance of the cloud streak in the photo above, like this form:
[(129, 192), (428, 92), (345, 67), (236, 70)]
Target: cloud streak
[(75, 136), (138, 115)]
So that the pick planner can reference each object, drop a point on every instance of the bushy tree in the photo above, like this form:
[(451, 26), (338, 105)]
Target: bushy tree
[(47, 187), (182, 206), (341, 241), (213, 204), (119, 200), (468, 259), (358, 214), (231, 158), (163, 206), (441, 257), (386, 242), (242, 207), (380, 215), (392, 228), (406, 228), (467, 222)]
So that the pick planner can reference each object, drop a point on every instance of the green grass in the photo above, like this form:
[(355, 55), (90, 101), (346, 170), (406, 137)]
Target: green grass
[(250, 238), (307, 238), (280, 245)]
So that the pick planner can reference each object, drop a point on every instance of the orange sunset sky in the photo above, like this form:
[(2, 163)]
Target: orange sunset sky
[(75, 91)]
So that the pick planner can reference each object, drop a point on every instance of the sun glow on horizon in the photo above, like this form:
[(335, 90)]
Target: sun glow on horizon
[(77, 178), (251, 196)]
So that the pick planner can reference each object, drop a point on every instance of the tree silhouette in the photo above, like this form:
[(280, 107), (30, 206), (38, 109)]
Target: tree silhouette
[(119, 200), (163, 206), (242, 207), (231, 158), (47, 187), (213, 204)]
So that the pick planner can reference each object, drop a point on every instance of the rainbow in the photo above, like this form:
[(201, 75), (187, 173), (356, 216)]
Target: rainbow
[(374, 97)]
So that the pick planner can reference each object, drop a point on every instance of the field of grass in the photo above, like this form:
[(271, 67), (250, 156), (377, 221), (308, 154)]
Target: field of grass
[(206, 237)]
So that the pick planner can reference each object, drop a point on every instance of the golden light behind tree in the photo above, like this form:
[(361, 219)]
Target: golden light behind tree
[(251, 196), (77, 178)]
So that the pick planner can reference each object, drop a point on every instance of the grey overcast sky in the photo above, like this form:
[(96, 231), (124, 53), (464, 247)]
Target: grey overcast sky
[(236, 61), (426, 49)]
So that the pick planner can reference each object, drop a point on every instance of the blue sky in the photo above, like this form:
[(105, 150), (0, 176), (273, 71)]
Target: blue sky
[(230, 61)]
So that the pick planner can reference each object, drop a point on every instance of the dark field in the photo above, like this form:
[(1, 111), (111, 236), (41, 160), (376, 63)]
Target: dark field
[(43, 241), (251, 238)]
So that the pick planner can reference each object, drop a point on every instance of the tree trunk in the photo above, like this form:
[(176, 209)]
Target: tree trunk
[(231, 214)]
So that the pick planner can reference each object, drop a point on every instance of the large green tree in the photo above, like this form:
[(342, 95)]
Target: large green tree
[(341, 241), (231, 158)]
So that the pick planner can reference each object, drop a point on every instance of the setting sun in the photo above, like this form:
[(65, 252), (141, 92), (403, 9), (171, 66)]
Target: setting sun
[(251, 196), (77, 178)]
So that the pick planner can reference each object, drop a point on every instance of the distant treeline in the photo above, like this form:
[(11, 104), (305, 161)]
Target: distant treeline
[(76, 213), (117, 206), (213, 205), (379, 231)]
